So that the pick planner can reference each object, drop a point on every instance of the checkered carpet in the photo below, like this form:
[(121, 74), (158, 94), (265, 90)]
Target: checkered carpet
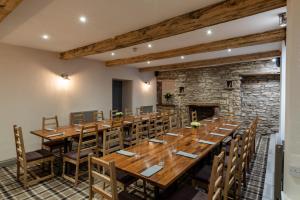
[(58, 188), (256, 176)]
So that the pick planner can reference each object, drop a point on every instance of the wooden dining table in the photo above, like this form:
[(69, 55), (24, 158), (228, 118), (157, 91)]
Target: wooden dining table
[(69, 131), (148, 153)]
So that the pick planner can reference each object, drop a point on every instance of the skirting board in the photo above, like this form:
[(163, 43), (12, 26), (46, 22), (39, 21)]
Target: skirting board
[(9, 162)]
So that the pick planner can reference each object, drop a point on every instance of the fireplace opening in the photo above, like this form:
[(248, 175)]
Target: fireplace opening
[(204, 110)]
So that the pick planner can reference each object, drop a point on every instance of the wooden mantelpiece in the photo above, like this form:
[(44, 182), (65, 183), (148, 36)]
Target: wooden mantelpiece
[(205, 104)]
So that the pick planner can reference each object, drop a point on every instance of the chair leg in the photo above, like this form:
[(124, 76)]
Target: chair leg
[(64, 168), (76, 174), (25, 179), (18, 170), (52, 167)]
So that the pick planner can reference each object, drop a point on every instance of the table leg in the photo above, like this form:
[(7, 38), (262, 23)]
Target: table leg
[(156, 192)]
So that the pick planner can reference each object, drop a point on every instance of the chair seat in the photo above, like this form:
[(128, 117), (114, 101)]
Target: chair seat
[(125, 178), (73, 154), (203, 174), (187, 193), (37, 155)]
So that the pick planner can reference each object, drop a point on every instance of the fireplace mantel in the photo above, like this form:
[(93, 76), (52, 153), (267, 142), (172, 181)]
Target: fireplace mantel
[(204, 104)]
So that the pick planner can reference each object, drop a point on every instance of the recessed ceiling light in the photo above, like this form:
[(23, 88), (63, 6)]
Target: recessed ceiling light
[(149, 45), (209, 32), (82, 19), (148, 62), (182, 57), (45, 37), (229, 50), (112, 53), (274, 60)]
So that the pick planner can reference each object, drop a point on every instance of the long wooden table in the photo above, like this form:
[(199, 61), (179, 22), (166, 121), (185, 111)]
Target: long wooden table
[(149, 153)]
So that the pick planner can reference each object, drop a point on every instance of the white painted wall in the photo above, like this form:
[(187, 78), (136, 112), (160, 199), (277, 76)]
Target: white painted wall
[(292, 129), (30, 89)]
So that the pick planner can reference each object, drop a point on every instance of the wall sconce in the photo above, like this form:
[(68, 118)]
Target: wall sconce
[(282, 19), (147, 83), (65, 76)]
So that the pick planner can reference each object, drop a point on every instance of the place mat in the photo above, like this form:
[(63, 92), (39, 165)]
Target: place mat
[(56, 134), (208, 120), (188, 127), (151, 170), (157, 141), (217, 134), (105, 125), (185, 154), (230, 125), (126, 153), (145, 118), (225, 129), (206, 142), (49, 129), (172, 134)]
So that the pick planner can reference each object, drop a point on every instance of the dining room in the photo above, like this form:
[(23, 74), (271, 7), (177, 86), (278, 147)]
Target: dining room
[(131, 99)]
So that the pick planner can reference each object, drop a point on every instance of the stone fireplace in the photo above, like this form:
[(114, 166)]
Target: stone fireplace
[(203, 110)]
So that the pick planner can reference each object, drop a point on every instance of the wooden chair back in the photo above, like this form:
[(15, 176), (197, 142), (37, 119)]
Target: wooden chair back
[(113, 113), (98, 116), (117, 123), (242, 167), (77, 118), (159, 126), (152, 126), (109, 177), (128, 112), (136, 131), (232, 167), (20, 148), (112, 141), (216, 178), (184, 119), (166, 122), (173, 121), (194, 117), (50, 122), (88, 139)]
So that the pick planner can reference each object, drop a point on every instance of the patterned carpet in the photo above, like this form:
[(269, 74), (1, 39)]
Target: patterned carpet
[(58, 188)]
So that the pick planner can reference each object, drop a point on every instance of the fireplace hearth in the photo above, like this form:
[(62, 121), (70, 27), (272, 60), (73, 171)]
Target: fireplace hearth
[(204, 110)]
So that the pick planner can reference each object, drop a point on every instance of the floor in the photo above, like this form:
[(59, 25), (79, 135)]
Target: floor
[(58, 188), (268, 193)]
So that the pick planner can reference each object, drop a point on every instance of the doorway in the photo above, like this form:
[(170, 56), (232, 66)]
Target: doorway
[(121, 95)]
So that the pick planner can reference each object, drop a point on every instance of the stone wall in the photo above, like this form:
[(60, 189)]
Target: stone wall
[(249, 95)]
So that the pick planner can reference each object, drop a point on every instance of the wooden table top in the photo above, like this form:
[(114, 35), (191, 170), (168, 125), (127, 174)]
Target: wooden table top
[(149, 154), (72, 130)]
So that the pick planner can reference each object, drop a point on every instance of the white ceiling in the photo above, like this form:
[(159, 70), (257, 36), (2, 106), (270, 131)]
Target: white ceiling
[(108, 18)]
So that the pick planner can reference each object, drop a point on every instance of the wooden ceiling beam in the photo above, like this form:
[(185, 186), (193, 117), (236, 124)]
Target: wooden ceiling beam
[(211, 15), (243, 41), (7, 6), (214, 62)]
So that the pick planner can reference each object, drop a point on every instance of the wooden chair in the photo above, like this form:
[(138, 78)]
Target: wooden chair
[(27, 160), (51, 123), (98, 116), (112, 141), (128, 112), (173, 121), (88, 143), (107, 174), (166, 122), (184, 119), (251, 142), (77, 118), (215, 187), (152, 126), (242, 166), (232, 167), (135, 133), (159, 126), (194, 117), (113, 113)]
